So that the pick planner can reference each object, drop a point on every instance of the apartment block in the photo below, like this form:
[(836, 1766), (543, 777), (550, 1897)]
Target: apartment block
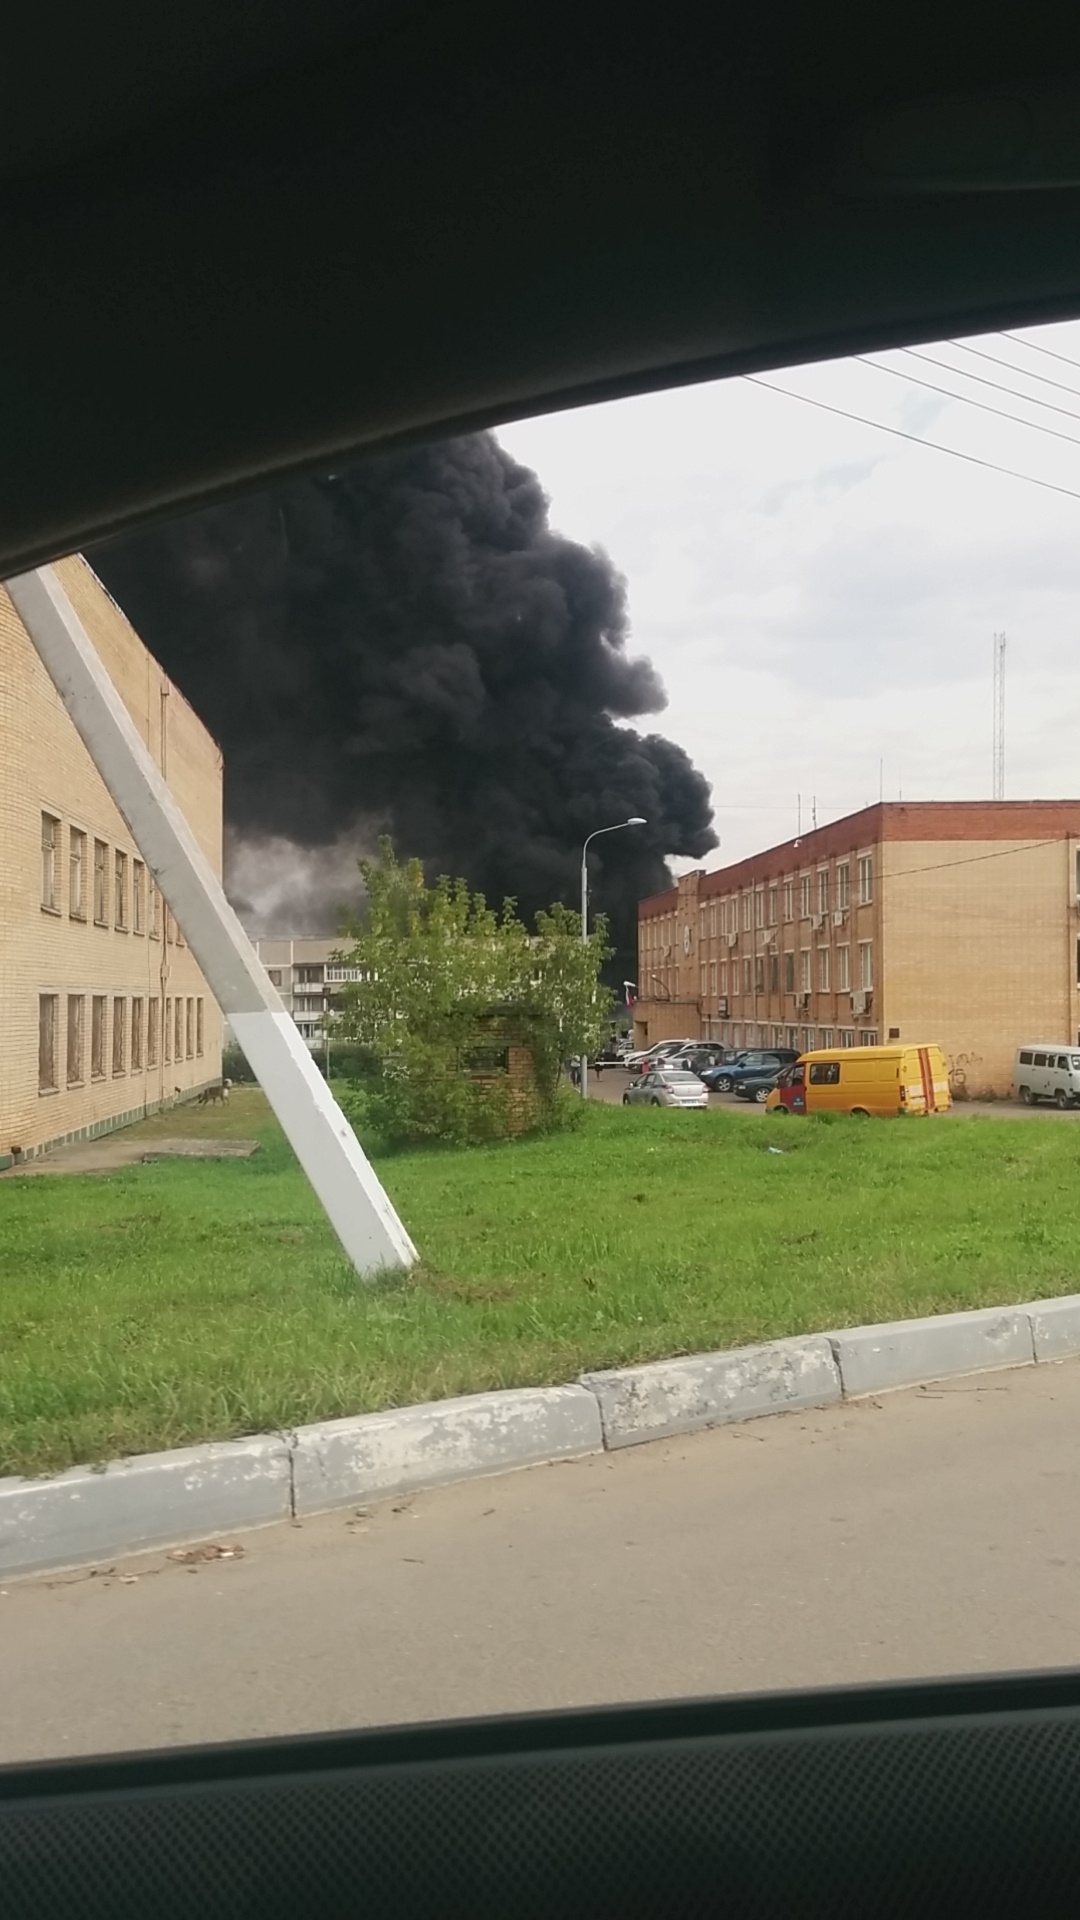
[(309, 978), (951, 921), (104, 1015)]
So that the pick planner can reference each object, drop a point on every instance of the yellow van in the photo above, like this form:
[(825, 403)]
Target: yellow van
[(879, 1080)]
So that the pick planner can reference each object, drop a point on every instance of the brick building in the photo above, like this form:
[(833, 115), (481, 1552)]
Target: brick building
[(951, 921), (104, 1015)]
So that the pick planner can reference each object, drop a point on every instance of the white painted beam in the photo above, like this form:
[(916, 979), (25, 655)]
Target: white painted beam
[(359, 1209)]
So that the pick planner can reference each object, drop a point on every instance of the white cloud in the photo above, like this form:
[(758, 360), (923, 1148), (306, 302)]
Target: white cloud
[(820, 597)]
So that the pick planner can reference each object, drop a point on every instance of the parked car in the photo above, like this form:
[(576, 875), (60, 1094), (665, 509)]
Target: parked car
[(653, 1056), (699, 1056), (752, 1060), (1045, 1071), (758, 1086), (666, 1087)]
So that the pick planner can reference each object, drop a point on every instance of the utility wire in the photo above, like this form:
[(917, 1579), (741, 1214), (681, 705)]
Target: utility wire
[(995, 360), (1018, 394), (1049, 351), (916, 439), (999, 413)]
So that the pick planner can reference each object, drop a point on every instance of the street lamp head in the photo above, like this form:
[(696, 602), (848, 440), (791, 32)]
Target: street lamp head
[(636, 820)]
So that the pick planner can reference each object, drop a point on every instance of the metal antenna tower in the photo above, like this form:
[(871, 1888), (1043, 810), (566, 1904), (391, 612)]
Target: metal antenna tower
[(999, 716)]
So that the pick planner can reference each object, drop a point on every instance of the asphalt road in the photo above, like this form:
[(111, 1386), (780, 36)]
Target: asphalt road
[(933, 1531)]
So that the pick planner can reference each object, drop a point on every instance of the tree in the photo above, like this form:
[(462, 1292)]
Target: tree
[(449, 990)]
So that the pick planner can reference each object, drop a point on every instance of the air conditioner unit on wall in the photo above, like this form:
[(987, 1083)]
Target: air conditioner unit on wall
[(817, 920), (839, 917), (859, 1002), (802, 1000), (733, 939)]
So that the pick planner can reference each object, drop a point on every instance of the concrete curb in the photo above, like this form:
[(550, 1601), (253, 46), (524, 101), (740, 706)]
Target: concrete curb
[(678, 1396), (873, 1359), (164, 1499), (152, 1500), (340, 1461)]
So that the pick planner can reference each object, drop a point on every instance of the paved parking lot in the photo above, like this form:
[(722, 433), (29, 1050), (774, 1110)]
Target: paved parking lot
[(613, 1081)]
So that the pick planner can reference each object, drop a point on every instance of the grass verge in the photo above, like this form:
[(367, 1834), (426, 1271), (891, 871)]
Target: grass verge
[(164, 1304)]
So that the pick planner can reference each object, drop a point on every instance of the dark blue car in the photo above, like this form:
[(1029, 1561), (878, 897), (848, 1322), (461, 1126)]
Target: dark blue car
[(751, 1061)]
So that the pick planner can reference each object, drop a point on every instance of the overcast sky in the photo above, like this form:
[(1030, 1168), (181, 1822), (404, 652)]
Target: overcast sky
[(820, 597)]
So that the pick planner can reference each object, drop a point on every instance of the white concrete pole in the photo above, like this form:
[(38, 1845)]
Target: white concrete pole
[(358, 1208)]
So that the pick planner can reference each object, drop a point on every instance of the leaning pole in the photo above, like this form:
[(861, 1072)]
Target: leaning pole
[(356, 1204)]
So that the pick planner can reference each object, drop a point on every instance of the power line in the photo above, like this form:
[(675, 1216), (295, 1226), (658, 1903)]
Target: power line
[(972, 859), (1049, 351), (966, 400), (1051, 406), (1043, 379), (916, 439)]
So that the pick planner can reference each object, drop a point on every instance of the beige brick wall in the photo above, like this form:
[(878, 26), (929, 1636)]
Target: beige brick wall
[(980, 950), (45, 767), (973, 930)]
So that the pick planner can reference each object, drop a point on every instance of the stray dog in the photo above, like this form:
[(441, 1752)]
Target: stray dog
[(210, 1094)]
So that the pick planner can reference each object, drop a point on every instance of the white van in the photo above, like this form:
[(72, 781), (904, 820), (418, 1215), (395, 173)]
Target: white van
[(1046, 1071)]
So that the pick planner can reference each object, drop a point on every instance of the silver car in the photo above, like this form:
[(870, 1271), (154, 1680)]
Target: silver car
[(666, 1087)]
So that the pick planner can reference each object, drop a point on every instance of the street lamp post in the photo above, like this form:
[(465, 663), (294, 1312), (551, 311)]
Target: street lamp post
[(635, 820)]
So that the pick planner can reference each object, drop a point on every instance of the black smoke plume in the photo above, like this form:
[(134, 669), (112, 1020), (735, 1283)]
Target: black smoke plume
[(408, 646)]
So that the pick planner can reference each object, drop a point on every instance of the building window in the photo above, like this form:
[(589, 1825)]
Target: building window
[(759, 907), (808, 1039), (178, 1031), (866, 965), (712, 983), (167, 1032), (712, 921), (804, 896), (869, 1037), (170, 926), (138, 897), (774, 973), (793, 1036), (789, 900), (137, 1015), (75, 1006), (759, 973), (50, 840), (825, 1037), (97, 1037), (847, 1036), (77, 874), (120, 887), (747, 910), (101, 884), (774, 900), (789, 972), (155, 910), (704, 987), (866, 879), (48, 1022), (843, 969), (823, 890), (199, 1025), (805, 981), (153, 1011), (746, 977), (119, 1034), (843, 888), (823, 969)]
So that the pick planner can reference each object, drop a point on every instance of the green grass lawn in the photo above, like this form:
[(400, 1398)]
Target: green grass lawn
[(169, 1303)]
